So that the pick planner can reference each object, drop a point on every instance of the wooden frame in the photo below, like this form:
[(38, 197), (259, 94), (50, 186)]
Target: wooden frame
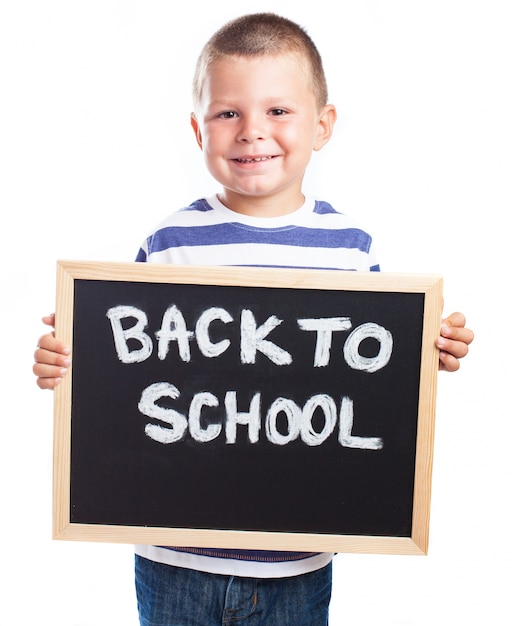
[(431, 286)]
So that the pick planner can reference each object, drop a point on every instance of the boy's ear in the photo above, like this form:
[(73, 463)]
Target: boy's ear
[(197, 132), (326, 121)]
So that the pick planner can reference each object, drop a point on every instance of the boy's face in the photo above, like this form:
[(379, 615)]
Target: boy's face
[(257, 123)]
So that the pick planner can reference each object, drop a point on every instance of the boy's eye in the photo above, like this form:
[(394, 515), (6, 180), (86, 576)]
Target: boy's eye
[(227, 115), (277, 112)]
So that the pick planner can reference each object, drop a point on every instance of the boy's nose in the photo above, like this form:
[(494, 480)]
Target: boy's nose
[(252, 129)]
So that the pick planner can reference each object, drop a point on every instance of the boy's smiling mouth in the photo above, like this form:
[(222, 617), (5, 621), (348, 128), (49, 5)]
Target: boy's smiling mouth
[(256, 159)]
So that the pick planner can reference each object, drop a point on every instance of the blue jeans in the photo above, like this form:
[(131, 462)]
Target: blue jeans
[(174, 596)]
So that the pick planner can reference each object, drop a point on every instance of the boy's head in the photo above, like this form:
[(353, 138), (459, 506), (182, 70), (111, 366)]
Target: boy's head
[(262, 34), (260, 111)]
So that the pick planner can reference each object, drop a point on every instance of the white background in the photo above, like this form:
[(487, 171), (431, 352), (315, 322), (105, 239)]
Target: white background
[(95, 149)]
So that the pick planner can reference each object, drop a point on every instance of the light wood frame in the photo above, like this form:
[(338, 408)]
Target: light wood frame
[(429, 285)]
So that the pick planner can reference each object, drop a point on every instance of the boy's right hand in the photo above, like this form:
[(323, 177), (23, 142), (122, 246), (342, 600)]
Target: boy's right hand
[(52, 358)]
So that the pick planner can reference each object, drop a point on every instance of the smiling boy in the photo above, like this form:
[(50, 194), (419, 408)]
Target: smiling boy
[(260, 111)]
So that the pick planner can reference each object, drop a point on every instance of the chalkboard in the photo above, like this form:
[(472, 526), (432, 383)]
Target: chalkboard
[(244, 407)]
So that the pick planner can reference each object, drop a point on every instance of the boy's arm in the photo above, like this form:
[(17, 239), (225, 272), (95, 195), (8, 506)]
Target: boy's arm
[(51, 358), (453, 342)]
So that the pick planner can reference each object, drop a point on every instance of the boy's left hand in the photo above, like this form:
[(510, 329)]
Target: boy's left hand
[(453, 342)]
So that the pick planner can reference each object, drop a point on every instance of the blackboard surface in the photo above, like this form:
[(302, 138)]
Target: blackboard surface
[(290, 470)]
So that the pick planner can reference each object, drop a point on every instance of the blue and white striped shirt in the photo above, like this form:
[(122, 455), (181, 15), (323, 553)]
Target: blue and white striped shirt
[(208, 233)]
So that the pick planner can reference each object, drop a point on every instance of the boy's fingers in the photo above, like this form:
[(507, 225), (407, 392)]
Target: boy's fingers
[(44, 371), (48, 343), (48, 383), (455, 340), (49, 320), (50, 357), (454, 331), (51, 361), (455, 319), (456, 348), (447, 362), (454, 327)]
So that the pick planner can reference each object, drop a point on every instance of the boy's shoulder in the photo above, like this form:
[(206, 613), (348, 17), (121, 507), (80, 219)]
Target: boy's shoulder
[(198, 210), (200, 206)]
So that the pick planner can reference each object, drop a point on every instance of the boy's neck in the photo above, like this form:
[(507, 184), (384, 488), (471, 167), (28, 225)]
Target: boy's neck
[(267, 206)]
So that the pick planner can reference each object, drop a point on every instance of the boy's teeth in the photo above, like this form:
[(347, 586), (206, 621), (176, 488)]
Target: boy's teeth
[(255, 159)]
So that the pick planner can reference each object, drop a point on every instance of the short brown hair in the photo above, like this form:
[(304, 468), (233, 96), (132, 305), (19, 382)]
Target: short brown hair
[(261, 34)]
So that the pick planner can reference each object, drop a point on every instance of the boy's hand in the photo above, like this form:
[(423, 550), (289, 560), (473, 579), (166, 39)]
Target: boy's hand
[(51, 358), (453, 342)]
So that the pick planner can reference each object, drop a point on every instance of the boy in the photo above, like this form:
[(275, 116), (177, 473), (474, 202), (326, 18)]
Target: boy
[(260, 109)]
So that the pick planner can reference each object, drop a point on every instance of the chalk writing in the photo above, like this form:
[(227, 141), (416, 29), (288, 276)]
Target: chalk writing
[(133, 345), (253, 338)]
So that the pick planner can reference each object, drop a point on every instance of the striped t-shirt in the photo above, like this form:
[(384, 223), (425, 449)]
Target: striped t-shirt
[(208, 233)]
